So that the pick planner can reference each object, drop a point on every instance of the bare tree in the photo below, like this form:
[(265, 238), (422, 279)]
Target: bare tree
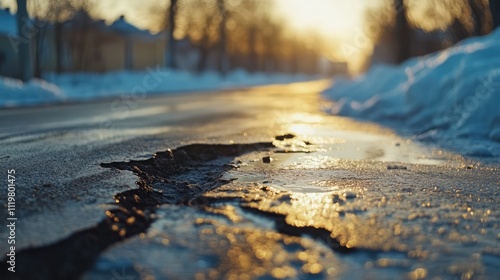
[(56, 12), (398, 25), (78, 40), (272, 40), (202, 26), (250, 18), (231, 34)]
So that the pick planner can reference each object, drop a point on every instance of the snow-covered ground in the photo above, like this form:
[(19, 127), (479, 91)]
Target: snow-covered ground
[(87, 86), (450, 97)]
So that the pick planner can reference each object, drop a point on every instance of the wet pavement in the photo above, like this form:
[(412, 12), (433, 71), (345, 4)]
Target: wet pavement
[(244, 184)]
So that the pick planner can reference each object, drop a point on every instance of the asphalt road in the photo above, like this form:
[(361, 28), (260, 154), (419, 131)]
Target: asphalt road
[(339, 199)]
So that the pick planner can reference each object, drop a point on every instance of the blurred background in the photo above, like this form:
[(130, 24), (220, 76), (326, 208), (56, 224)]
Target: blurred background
[(325, 37)]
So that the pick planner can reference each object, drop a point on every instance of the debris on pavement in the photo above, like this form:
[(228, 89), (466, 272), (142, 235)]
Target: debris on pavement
[(267, 159)]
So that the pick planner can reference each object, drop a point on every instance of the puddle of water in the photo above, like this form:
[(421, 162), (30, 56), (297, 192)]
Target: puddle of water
[(331, 145), (293, 179), (314, 163)]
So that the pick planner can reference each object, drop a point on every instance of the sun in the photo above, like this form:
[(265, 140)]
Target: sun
[(334, 18)]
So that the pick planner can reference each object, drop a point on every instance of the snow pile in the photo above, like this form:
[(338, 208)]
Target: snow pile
[(88, 86), (157, 80), (13, 91), (451, 97)]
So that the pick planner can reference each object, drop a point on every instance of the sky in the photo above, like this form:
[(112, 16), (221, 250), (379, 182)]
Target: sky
[(340, 22), (330, 17)]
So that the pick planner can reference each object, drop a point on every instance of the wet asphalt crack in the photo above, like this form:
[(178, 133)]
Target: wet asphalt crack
[(180, 176), (176, 176), (316, 233)]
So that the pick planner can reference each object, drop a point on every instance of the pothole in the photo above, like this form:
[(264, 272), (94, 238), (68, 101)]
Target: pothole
[(170, 177)]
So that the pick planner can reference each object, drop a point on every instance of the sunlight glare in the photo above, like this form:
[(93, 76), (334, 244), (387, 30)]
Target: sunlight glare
[(336, 18)]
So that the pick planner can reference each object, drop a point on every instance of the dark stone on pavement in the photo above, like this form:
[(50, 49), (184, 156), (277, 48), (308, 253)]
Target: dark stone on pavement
[(267, 159), (396, 167), (284, 136)]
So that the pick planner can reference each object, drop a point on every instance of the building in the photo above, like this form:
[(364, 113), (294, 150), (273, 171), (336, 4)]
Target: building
[(93, 46), (83, 44)]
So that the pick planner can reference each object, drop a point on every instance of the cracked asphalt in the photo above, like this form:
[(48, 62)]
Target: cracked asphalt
[(254, 183)]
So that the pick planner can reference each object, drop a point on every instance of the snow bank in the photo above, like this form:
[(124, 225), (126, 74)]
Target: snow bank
[(87, 86), (451, 97), (14, 92), (157, 80)]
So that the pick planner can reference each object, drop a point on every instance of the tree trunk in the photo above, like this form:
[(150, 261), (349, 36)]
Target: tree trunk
[(172, 13), (58, 46), (37, 52), (477, 17), (294, 59), (39, 48), (252, 46), (129, 53), (222, 59), (24, 27), (81, 45), (495, 12), (403, 35), (202, 62)]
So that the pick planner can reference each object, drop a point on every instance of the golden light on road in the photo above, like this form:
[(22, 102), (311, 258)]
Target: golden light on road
[(301, 129)]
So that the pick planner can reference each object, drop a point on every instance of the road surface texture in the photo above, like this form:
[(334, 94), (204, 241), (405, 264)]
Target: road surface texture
[(256, 183)]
